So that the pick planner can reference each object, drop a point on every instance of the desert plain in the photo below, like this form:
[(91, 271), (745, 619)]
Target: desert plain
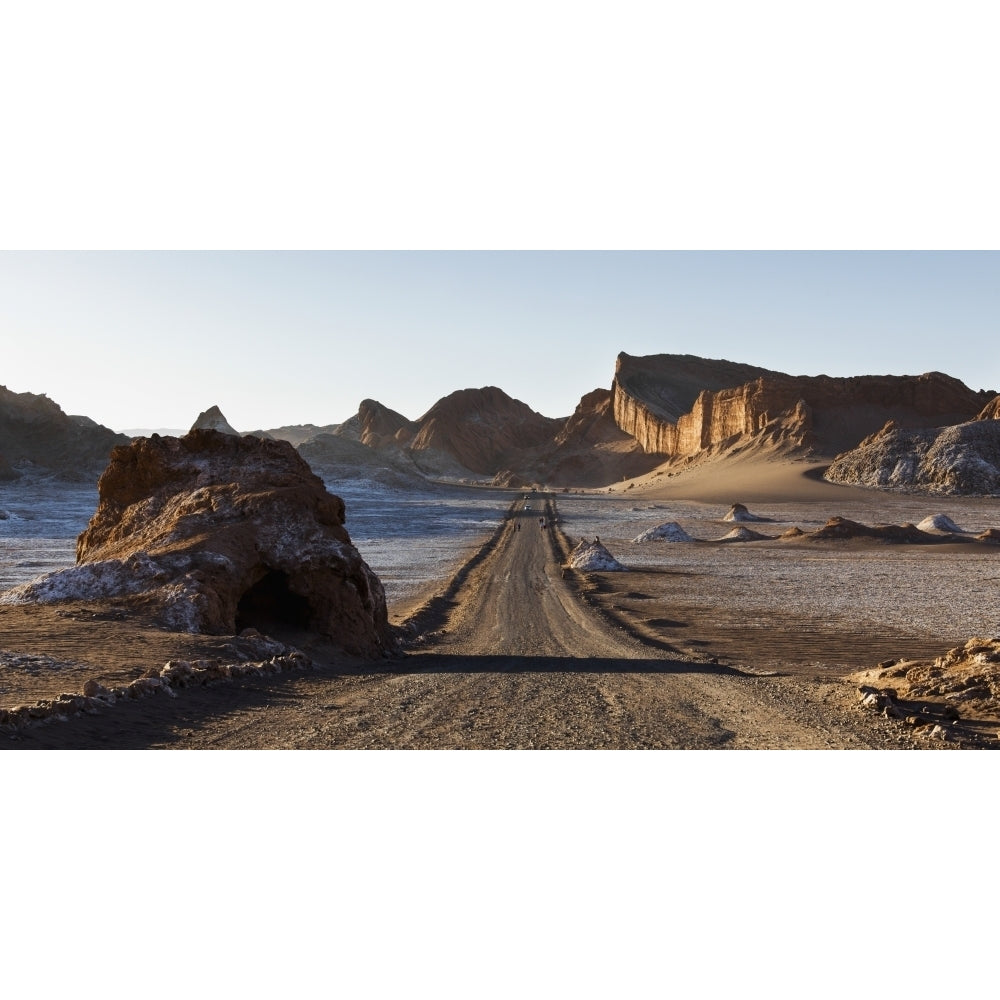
[(767, 643)]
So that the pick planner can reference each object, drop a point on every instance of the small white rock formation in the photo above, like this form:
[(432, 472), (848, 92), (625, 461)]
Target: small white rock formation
[(594, 557), (940, 522), (743, 535), (670, 531)]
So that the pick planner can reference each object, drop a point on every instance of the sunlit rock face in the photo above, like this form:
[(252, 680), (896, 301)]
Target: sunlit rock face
[(225, 533), (679, 406)]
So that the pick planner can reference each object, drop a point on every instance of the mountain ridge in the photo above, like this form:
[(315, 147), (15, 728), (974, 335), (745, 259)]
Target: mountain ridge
[(660, 410)]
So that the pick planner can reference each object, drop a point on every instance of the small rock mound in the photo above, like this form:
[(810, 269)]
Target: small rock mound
[(671, 531), (743, 535), (940, 522), (214, 533), (594, 557), (793, 532), (738, 512)]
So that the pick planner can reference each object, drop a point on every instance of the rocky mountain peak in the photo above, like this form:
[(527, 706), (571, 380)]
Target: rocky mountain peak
[(213, 420)]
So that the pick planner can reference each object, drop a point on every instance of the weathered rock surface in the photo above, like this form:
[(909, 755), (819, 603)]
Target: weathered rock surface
[(962, 459), (670, 531), (817, 413), (962, 684), (216, 533), (37, 436)]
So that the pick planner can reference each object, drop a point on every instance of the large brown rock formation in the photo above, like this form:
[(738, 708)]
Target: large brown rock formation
[(221, 533), (818, 413)]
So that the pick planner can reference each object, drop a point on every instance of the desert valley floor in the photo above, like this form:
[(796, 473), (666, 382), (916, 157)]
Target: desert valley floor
[(716, 643)]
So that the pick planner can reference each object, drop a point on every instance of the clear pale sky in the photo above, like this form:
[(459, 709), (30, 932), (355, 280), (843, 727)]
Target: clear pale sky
[(139, 339)]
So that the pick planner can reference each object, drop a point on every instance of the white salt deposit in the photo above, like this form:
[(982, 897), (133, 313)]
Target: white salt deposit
[(742, 535), (940, 522), (92, 581), (594, 557), (671, 531)]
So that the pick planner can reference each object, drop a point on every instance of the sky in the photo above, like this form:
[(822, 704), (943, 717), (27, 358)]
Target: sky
[(283, 215), (151, 339)]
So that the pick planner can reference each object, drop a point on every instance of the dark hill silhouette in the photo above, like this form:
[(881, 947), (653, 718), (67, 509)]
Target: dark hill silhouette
[(36, 436)]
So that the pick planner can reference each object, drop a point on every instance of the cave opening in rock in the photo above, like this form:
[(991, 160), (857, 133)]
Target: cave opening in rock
[(270, 604)]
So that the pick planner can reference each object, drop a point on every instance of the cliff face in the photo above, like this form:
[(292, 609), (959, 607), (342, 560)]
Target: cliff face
[(823, 414), (650, 394)]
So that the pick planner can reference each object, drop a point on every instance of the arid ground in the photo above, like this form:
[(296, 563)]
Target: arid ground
[(515, 651)]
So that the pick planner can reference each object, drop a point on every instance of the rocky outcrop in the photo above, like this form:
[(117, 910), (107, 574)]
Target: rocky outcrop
[(377, 426), (991, 411), (212, 419), (37, 436), (214, 533), (819, 414), (945, 697), (962, 459)]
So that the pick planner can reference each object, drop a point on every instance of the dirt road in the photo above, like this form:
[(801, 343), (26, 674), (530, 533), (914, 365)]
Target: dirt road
[(513, 660)]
